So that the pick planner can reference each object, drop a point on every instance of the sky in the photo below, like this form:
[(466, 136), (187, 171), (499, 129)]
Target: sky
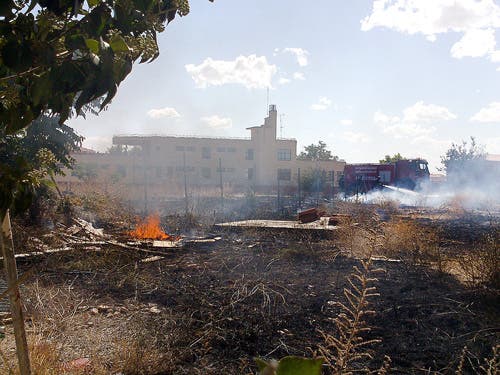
[(368, 78)]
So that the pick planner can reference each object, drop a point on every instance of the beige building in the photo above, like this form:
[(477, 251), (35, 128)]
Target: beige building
[(155, 167)]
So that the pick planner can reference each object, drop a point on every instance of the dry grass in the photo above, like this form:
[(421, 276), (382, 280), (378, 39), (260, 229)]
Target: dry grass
[(346, 349), (411, 242)]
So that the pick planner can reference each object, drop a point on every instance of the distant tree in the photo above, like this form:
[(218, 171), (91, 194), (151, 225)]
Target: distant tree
[(117, 150), (388, 159), (458, 155), (317, 152), (314, 180)]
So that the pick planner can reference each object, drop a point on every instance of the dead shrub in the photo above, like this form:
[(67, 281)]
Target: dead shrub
[(481, 265), (411, 242), (140, 355)]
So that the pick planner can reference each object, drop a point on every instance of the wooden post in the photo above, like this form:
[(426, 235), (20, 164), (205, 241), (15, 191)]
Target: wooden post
[(16, 309), (221, 187)]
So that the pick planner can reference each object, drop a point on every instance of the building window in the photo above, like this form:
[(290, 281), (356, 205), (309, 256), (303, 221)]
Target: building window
[(206, 172), (179, 148), (250, 173), (226, 170), (190, 148), (249, 154), (221, 149), (231, 149), (284, 174), (205, 153), (284, 154), (182, 169)]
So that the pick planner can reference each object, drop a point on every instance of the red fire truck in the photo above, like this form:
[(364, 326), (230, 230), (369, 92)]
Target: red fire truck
[(408, 173)]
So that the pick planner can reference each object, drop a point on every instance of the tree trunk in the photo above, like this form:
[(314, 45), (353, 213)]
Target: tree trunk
[(10, 268)]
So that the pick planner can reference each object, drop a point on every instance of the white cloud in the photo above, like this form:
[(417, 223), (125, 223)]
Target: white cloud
[(300, 54), (250, 71), (163, 112), (431, 17), (355, 137), (299, 76), (475, 18), (475, 43), (381, 118), (491, 113), (323, 103), (217, 122), (421, 112), (283, 81), (405, 130), (415, 122), (346, 122)]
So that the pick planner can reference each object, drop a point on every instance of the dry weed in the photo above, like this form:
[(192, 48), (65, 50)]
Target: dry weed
[(344, 351)]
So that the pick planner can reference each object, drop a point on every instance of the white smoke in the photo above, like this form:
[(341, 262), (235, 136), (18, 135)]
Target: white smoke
[(479, 190)]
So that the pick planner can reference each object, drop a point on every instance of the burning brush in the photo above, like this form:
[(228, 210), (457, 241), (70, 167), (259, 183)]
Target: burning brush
[(149, 229)]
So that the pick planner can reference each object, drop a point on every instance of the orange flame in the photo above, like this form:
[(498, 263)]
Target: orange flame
[(149, 228)]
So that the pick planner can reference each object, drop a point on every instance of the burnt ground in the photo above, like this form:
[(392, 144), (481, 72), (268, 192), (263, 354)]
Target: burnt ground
[(210, 309)]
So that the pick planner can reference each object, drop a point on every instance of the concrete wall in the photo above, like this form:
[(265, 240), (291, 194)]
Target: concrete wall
[(158, 166)]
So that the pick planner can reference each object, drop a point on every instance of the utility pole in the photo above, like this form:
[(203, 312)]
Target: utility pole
[(221, 187), (279, 197), (144, 168), (333, 188), (298, 189), (186, 201)]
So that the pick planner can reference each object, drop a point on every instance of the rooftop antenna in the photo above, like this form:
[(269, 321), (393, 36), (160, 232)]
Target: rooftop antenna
[(282, 115)]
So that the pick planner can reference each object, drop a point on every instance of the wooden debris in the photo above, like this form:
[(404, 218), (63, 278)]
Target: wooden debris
[(310, 215), (152, 259)]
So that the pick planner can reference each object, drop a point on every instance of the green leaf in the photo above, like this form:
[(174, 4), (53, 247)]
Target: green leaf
[(299, 366), (118, 44), (93, 3), (92, 45), (41, 89)]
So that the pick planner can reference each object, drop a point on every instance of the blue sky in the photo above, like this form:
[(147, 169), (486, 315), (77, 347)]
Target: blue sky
[(367, 77)]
